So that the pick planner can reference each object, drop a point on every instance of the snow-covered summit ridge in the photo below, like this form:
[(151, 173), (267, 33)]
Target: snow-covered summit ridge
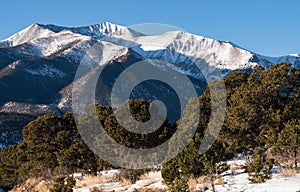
[(37, 31), (26, 35), (96, 31), (173, 46)]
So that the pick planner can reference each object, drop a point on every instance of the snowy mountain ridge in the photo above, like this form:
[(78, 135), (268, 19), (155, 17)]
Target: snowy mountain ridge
[(174, 46), (37, 31)]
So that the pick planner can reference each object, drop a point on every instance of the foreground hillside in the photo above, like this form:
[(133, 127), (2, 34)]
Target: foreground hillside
[(262, 123)]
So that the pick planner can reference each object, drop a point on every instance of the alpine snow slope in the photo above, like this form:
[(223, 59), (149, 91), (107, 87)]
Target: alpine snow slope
[(39, 63)]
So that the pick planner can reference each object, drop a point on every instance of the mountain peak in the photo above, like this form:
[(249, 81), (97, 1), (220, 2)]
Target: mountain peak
[(109, 28), (33, 31), (295, 55), (96, 31)]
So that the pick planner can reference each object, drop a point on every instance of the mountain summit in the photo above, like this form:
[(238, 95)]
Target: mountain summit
[(48, 39)]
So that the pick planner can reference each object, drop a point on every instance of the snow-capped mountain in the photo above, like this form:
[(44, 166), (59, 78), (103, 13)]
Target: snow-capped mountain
[(38, 31), (50, 39), (39, 63), (174, 46)]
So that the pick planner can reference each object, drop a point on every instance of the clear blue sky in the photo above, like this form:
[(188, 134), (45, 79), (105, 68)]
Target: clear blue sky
[(263, 26)]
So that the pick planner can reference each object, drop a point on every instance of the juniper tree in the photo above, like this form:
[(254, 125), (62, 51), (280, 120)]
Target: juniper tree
[(288, 144)]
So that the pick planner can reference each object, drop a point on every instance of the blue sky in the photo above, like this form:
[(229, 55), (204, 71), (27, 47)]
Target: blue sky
[(266, 27)]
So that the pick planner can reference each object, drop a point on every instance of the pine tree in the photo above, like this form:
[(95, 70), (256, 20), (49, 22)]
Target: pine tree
[(259, 170), (288, 144), (51, 146), (256, 109)]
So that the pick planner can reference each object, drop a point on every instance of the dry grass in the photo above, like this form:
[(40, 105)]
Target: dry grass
[(89, 180), (236, 167), (288, 172), (150, 190), (34, 185), (96, 189), (220, 181), (192, 183), (203, 180), (145, 177), (150, 181), (125, 182)]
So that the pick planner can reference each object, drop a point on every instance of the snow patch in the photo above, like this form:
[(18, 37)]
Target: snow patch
[(295, 55), (46, 71)]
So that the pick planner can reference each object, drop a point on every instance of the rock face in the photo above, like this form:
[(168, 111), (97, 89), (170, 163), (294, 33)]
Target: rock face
[(39, 63)]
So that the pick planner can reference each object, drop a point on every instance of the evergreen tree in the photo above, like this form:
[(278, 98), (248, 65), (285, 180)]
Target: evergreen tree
[(190, 163), (255, 114), (259, 170), (8, 167), (288, 144), (51, 146)]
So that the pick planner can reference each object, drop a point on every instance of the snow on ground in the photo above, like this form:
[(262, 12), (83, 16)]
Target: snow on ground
[(110, 173), (46, 71), (153, 180), (240, 183), (235, 180)]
